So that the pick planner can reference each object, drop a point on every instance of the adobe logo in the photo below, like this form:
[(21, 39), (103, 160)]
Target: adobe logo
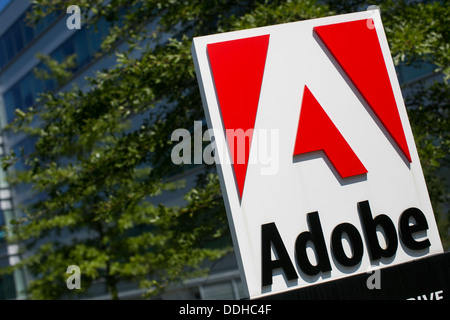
[(328, 86), (238, 69)]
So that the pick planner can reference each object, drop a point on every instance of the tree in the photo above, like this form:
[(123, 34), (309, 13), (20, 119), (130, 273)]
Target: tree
[(98, 173)]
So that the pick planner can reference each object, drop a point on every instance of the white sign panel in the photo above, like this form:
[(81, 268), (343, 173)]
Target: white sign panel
[(319, 169)]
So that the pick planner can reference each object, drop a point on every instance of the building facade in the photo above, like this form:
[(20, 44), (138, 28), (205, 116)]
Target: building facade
[(19, 89)]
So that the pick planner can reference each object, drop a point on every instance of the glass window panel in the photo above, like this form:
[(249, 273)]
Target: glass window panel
[(47, 84), (3, 59), (9, 45), (12, 101), (9, 100), (18, 37), (26, 85), (218, 291), (56, 55), (28, 33), (67, 47), (94, 40), (103, 30), (22, 149), (103, 26), (7, 287), (9, 104), (20, 34), (38, 86), (17, 95), (81, 48), (51, 17), (411, 72), (29, 144), (19, 164), (40, 26)]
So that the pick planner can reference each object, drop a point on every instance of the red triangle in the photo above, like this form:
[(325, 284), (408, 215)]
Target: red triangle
[(356, 48), (316, 132), (237, 68)]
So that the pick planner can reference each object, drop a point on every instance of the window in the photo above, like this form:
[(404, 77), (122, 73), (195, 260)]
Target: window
[(7, 287), (82, 49), (2, 54), (67, 48), (2, 223), (29, 33), (12, 101), (8, 44), (18, 37), (414, 71), (85, 43), (22, 150), (9, 105), (27, 91), (225, 290), (21, 96), (218, 291), (20, 34)]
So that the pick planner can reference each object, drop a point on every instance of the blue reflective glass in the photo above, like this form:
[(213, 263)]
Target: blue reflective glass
[(26, 89), (57, 55), (20, 34), (48, 84), (2, 53), (67, 48), (38, 86), (81, 48), (17, 95), (40, 26), (7, 287), (22, 149), (9, 45), (18, 37), (85, 43), (28, 33), (10, 105), (16, 98)]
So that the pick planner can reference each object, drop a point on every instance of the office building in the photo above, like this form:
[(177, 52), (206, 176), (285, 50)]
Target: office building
[(19, 89)]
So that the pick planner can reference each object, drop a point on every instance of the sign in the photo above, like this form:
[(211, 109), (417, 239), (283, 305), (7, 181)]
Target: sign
[(315, 154), (423, 279)]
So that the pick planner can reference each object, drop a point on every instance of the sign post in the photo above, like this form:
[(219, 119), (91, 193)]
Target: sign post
[(317, 162)]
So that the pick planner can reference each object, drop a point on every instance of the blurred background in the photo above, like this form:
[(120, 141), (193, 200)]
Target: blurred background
[(87, 115)]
